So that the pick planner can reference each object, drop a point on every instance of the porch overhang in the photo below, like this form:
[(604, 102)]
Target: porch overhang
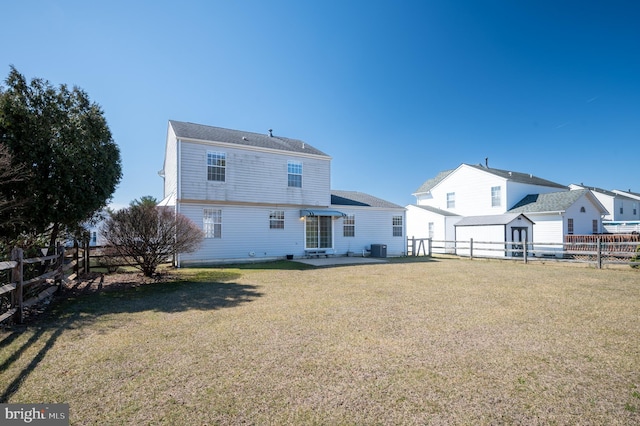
[(320, 212)]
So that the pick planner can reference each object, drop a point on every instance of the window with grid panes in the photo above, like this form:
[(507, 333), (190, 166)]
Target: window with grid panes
[(212, 223), (216, 166), (276, 219)]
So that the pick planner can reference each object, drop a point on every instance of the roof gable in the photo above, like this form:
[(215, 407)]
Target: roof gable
[(430, 183), (603, 192), (184, 130), (553, 201)]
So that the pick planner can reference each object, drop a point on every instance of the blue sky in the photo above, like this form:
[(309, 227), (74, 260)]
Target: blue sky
[(394, 91)]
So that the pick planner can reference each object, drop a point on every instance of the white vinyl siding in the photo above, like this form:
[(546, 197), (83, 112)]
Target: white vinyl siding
[(253, 177), (470, 189)]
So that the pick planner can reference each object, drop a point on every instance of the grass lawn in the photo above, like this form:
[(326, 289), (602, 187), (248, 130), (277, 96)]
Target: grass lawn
[(446, 341)]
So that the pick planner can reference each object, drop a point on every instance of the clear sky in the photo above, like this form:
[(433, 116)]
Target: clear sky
[(394, 91)]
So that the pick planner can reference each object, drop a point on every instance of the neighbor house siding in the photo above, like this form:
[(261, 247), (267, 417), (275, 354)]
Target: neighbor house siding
[(517, 191), (548, 228), (481, 235), (418, 220), (583, 221), (253, 176), (170, 168), (472, 190)]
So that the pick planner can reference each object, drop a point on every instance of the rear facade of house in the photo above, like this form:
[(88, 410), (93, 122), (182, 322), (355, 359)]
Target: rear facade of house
[(264, 196)]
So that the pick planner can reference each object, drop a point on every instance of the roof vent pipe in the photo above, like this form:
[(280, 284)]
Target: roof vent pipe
[(486, 162), (270, 133)]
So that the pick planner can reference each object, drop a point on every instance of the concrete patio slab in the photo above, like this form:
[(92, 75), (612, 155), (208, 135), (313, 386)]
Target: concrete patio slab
[(339, 261)]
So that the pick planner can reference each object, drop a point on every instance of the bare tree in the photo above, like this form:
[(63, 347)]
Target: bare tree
[(146, 235)]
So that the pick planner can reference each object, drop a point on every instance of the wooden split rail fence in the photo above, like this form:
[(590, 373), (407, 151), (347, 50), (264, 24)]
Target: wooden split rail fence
[(54, 271), (595, 249)]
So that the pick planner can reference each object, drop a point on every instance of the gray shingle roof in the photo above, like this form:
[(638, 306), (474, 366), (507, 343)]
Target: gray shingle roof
[(519, 177), (240, 137), (506, 174), (426, 187), (552, 202), (354, 198), (605, 192), (498, 219), (435, 210)]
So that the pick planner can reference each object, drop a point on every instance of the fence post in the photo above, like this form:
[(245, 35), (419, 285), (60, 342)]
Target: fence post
[(471, 248), (76, 257), (59, 265), (85, 255), (599, 249), (17, 255), (429, 244), (524, 252)]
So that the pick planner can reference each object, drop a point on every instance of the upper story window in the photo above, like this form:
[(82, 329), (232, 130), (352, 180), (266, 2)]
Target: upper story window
[(294, 174), (397, 226), (216, 166), (349, 226), (496, 196), (276, 219), (583, 210), (569, 226), (594, 226), (212, 223), (451, 200), (621, 210)]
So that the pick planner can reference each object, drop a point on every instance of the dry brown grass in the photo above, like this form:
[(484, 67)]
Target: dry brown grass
[(441, 342)]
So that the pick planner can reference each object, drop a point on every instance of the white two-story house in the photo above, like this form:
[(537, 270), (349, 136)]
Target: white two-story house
[(264, 196), (479, 194)]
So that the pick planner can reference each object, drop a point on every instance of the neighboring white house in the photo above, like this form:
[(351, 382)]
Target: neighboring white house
[(430, 222), (620, 207), (471, 190), (626, 226), (263, 196), (557, 214)]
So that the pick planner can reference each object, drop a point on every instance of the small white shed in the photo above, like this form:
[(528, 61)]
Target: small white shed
[(495, 235)]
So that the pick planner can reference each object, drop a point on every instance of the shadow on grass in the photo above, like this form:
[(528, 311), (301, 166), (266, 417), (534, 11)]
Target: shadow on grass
[(81, 308)]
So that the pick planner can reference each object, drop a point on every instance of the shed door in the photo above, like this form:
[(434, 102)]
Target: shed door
[(518, 238)]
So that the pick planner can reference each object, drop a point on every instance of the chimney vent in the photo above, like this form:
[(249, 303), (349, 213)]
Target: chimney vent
[(270, 133)]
